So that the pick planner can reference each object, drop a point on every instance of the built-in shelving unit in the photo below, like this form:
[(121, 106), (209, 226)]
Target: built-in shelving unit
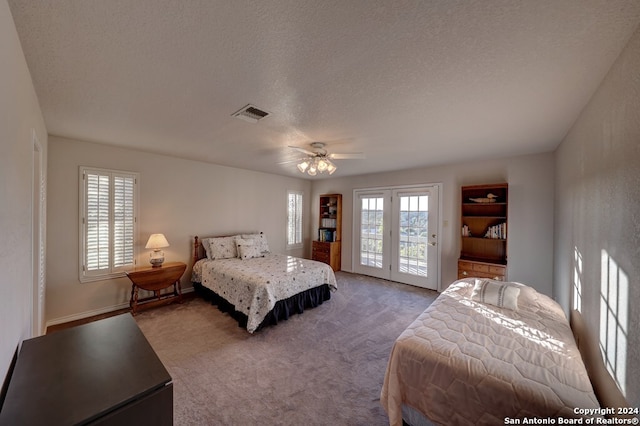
[(483, 248), (327, 247)]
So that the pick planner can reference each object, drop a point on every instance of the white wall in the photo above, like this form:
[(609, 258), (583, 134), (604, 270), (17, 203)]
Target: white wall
[(598, 212), (239, 200), (530, 178), (179, 198), (19, 114)]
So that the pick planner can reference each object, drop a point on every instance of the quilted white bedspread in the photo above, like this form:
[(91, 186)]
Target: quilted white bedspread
[(254, 286), (465, 362)]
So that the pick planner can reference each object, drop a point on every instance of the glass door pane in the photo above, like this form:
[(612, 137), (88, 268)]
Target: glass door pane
[(413, 234), (414, 241), (373, 233)]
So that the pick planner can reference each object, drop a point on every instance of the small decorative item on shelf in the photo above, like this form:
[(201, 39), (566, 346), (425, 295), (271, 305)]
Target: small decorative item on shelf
[(465, 231), (156, 242), (490, 198)]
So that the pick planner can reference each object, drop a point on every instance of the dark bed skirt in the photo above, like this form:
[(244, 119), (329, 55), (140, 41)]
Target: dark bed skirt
[(295, 304)]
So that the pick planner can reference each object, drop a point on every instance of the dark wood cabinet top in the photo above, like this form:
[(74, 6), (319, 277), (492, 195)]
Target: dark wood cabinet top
[(77, 375)]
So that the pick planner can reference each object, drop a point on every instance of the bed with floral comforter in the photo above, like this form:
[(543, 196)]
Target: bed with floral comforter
[(254, 286)]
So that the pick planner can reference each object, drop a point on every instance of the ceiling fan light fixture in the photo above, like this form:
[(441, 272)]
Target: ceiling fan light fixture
[(318, 160), (322, 165), (302, 166), (312, 170), (315, 165)]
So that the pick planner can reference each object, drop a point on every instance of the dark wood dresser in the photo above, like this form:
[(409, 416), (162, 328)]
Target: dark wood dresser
[(101, 373)]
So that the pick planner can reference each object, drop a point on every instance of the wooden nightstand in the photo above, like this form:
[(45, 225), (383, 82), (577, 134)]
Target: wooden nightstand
[(156, 279)]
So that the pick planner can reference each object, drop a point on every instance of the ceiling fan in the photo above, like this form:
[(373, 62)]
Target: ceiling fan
[(319, 159)]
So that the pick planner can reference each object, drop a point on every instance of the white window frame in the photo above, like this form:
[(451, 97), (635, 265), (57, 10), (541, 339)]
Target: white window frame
[(298, 225), (110, 271)]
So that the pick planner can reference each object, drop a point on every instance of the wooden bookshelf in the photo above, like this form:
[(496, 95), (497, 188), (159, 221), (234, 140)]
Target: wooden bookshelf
[(483, 246), (327, 247)]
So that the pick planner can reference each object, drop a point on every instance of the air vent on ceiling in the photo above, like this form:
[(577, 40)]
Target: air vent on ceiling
[(250, 113)]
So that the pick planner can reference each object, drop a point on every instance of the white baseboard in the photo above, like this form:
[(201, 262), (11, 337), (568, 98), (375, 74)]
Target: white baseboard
[(94, 312)]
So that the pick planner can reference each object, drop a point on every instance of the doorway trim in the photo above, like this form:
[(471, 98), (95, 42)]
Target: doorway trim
[(38, 237)]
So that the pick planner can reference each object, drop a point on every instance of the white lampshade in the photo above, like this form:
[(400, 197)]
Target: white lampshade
[(322, 165), (331, 168), (303, 166), (157, 241)]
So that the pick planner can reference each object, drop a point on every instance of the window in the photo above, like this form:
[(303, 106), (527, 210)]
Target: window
[(108, 216), (294, 219)]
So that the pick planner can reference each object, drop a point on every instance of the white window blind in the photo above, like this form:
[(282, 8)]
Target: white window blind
[(107, 222), (294, 219)]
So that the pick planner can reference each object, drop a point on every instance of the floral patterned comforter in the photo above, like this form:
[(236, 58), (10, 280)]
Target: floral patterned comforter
[(254, 286)]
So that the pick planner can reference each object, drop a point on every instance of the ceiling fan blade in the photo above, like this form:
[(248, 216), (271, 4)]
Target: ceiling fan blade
[(347, 156), (303, 150)]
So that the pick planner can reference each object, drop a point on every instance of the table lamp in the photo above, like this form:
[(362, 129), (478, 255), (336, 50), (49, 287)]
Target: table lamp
[(156, 242)]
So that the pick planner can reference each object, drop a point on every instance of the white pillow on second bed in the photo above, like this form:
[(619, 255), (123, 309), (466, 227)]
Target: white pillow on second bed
[(498, 293)]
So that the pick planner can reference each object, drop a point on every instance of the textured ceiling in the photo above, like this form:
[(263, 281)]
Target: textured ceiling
[(408, 83)]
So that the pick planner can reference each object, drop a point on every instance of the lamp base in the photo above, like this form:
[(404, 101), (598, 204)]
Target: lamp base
[(156, 262), (156, 258)]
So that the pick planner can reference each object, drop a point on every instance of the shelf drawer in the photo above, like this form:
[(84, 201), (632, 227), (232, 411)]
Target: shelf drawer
[(500, 270), (473, 266), (465, 265), (321, 247), (468, 269), (322, 257), (481, 268)]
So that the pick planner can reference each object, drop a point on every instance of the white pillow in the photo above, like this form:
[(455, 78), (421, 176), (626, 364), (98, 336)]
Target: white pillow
[(247, 249), (223, 248), (498, 293), (260, 241), (206, 246)]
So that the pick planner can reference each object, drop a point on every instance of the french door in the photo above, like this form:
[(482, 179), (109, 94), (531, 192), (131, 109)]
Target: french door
[(397, 234)]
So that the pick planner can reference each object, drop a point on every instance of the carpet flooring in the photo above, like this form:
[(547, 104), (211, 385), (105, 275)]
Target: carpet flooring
[(324, 367)]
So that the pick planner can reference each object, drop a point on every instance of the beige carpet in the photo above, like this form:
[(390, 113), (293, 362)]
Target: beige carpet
[(324, 367)]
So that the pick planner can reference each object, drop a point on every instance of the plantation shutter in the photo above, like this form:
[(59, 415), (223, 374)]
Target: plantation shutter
[(123, 221), (108, 222), (294, 219), (97, 222)]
